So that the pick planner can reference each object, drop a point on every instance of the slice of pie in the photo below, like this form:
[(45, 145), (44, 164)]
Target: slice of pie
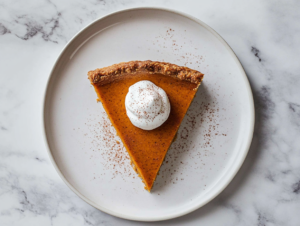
[(147, 148)]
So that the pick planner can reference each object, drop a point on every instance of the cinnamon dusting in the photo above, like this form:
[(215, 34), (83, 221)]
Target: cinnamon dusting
[(113, 152)]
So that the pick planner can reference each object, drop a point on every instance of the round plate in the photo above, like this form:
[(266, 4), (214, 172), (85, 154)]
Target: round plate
[(213, 139)]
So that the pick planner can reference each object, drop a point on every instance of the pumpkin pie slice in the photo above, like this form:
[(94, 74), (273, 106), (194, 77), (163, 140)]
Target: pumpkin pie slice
[(146, 148)]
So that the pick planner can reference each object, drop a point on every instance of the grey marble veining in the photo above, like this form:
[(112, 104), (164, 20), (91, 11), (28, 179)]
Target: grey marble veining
[(265, 36)]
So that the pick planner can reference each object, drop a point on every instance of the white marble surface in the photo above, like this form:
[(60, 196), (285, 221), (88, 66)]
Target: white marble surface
[(264, 34)]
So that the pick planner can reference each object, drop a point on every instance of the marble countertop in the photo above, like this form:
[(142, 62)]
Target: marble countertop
[(265, 36)]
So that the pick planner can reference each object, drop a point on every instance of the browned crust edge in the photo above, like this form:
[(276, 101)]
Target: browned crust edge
[(106, 74)]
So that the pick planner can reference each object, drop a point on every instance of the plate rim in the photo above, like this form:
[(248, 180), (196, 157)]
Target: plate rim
[(229, 178)]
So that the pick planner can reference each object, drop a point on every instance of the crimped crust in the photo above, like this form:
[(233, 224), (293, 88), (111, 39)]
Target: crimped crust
[(107, 74)]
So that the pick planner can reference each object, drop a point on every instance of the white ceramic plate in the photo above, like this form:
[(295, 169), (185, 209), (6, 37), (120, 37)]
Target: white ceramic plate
[(212, 141)]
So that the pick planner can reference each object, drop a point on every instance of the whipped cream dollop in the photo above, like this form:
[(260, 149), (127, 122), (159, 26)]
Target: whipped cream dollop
[(147, 105)]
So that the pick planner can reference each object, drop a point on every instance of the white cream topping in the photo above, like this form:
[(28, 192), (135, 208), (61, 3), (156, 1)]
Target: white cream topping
[(147, 105)]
